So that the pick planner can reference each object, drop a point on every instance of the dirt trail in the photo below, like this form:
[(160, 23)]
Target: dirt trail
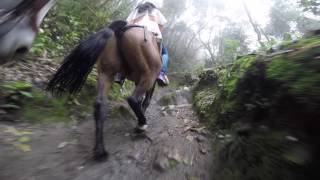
[(176, 147)]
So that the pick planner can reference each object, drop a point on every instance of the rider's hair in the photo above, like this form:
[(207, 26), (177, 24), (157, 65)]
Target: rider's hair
[(147, 6)]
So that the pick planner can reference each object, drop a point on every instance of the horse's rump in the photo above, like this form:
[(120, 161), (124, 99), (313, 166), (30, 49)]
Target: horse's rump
[(138, 50)]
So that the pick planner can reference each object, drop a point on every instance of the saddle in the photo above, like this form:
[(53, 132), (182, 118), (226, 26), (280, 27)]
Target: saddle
[(120, 27)]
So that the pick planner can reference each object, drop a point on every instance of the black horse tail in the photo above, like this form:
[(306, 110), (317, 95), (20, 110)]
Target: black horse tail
[(76, 67)]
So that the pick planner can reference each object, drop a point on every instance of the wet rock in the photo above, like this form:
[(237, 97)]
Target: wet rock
[(184, 105), (201, 138), (43, 167), (186, 88), (62, 145), (291, 138), (192, 178), (186, 121), (190, 138), (80, 168), (228, 136), (208, 76), (190, 78), (203, 150), (220, 136), (171, 107), (167, 99), (199, 130), (2, 112), (164, 113), (10, 107), (136, 157), (175, 155), (161, 163)]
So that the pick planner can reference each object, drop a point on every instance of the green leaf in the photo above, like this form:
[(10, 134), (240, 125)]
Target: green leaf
[(17, 86), (26, 94), (24, 139), (10, 106), (23, 147)]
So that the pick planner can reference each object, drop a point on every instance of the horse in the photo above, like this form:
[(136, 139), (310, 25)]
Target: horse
[(19, 24), (118, 48)]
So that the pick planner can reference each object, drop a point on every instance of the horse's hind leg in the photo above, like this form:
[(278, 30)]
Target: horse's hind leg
[(100, 115), (135, 102), (147, 99)]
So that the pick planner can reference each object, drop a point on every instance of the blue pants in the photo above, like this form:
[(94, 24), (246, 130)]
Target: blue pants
[(165, 59)]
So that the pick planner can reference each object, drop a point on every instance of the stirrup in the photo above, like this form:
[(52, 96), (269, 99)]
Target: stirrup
[(119, 78)]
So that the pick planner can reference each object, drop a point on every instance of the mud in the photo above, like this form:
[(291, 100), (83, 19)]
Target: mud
[(175, 147)]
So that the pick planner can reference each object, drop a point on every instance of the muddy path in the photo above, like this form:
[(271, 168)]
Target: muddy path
[(176, 147)]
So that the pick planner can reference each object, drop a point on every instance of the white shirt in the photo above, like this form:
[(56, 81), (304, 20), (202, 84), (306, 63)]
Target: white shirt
[(150, 20)]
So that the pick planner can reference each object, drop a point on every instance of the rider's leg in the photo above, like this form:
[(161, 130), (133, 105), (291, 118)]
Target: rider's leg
[(162, 78), (165, 62)]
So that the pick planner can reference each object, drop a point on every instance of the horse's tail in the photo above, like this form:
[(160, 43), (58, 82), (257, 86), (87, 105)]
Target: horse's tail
[(76, 67)]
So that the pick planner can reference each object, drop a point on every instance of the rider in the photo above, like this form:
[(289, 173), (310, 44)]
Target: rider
[(147, 14)]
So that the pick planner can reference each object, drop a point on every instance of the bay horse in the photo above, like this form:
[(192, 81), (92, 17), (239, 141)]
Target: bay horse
[(119, 48), (19, 24)]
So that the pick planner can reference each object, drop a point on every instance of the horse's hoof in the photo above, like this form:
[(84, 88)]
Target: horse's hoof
[(141, 129), (100, 155)]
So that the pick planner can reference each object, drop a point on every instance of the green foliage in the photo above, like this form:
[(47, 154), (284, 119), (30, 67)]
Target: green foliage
[(298, 74), (231, 47), (69, 21), (306, 42), (240, 66), (119, 93), (16, 86), (45, 109), (203, 101), (14, 93)]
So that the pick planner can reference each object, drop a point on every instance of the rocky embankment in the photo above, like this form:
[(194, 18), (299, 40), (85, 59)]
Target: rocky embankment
[(265, 110)]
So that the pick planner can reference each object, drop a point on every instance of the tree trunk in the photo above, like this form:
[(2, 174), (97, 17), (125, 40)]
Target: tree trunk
[(254, 25)]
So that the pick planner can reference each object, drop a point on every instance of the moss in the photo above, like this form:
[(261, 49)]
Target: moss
[(44, 109), (17, 86), (280, 94), (304, 42), (238, 69), (203, 101), (299, 74), (168, 99), (262, 155), (173, 163), (282, 69), (215, 98)]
